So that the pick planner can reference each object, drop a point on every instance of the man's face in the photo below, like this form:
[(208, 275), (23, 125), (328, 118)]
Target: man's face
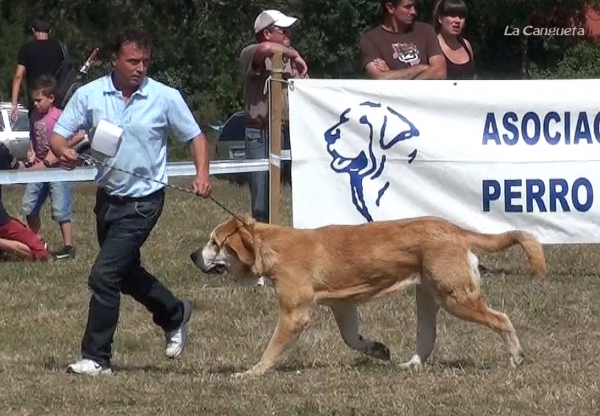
[(131, 64), (405, 12), (280, 35)]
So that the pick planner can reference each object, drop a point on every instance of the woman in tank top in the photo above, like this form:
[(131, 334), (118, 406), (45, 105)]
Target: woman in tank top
[(449, 21)]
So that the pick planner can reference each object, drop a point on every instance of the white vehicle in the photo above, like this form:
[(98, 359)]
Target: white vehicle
[(14, 134)]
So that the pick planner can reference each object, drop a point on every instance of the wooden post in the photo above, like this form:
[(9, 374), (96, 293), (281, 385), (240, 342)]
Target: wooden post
[(275, 113)]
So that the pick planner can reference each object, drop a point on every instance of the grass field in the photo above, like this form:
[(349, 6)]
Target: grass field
[(44, 308)]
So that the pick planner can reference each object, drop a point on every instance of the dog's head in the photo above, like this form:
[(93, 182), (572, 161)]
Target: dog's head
[(230, 249), (363, 134)]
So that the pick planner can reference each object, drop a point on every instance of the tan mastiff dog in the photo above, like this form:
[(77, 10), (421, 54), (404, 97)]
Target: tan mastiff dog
[(341, 266)]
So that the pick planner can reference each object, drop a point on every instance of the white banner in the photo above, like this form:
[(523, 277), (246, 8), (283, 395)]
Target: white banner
[(488, 155)]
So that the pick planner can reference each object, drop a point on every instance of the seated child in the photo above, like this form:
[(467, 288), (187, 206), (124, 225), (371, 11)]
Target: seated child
[(16, 238)]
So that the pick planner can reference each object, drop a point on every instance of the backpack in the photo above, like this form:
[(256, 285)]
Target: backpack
[(66, 79)]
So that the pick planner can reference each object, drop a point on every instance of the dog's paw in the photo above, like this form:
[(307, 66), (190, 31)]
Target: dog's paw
[(414, 363), (379, 351), (517, 359), (253, 372), (241, 375)]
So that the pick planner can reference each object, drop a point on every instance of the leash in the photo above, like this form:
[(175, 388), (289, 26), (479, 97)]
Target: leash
[(91, 159)]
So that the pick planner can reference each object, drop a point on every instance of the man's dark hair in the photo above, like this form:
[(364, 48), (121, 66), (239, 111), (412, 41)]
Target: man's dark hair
[(133, 35), (446, 8), (383, 8), (39, 25), (46, 84)]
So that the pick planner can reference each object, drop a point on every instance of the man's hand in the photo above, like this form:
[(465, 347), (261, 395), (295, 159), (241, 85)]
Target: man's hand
[(300, 65), (14, 113), (381, 65), (68, 159), (31, 156), (201, 185)]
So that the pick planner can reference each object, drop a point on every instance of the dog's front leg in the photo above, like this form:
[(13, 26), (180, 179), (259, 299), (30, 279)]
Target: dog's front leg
[(286, 334), (427, 310)]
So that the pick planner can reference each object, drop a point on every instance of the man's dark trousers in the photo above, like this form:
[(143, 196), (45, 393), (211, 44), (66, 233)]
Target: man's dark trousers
[(123, 225)]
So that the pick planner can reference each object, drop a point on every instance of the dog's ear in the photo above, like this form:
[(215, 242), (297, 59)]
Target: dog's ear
[(245, 220), (242, 242)]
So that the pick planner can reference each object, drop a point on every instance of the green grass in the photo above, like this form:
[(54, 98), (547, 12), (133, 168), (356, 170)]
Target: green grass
[(44, 308)]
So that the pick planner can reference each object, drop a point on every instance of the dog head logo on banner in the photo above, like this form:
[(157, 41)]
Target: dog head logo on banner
[(359, 144)]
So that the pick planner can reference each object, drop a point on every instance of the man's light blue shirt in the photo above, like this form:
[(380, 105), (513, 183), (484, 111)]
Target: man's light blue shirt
[(152, 111)]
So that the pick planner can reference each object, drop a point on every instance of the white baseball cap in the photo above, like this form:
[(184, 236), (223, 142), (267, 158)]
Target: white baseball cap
[(273, 17)]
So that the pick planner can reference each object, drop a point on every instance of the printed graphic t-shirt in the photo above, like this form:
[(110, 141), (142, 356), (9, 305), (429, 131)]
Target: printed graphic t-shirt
[(400, 50), (43, 126)]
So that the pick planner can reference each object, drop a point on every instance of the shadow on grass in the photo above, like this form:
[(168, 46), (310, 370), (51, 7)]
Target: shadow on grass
[(461, 364), (364, 364), (293, 367)]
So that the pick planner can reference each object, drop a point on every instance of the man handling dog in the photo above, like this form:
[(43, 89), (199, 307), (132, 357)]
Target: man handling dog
[(127, 208)]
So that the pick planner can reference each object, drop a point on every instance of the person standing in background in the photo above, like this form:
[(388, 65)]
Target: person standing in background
[(400, 47), (273, 31), (40, 56), (449, 21), (43, 119)]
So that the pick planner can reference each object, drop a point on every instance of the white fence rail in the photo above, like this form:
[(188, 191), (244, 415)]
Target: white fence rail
[(87, 173)]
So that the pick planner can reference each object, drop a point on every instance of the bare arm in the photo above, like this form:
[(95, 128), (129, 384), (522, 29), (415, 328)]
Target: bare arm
[(51, 156), (407, 73), (268, 49), (58, 144), (199, 149), (436, 68), (16, 84)]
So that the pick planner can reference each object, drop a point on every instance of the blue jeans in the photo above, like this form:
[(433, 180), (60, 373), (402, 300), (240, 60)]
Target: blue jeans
[(60, 197), (257, 147)]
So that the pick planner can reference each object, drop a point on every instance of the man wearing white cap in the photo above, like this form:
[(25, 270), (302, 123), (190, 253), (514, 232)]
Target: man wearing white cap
[(273, 34)]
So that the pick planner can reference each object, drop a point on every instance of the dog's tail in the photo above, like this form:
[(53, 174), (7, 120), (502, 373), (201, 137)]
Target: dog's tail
[(499, 242)]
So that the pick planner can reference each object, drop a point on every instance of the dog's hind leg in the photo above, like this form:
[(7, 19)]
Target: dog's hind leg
[(460, 294), (347, 319), (427, 311), (475, 309)]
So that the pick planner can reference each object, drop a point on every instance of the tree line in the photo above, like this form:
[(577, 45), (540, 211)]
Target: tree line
[(197, 42)]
